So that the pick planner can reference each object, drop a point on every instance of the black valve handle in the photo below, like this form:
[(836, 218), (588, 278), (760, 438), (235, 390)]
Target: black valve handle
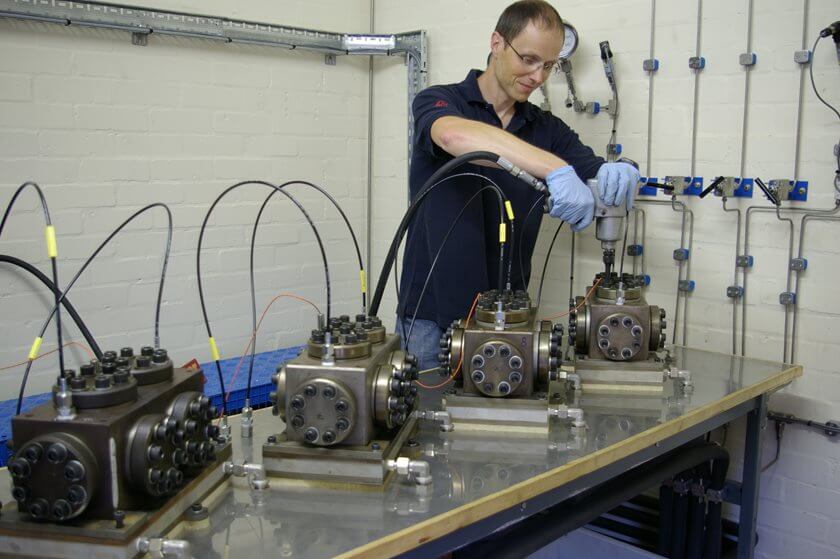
[(767, 192), (711, 187)]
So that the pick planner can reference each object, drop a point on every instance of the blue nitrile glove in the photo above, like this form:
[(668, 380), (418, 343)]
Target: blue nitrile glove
[(571, 200), (617, 184)]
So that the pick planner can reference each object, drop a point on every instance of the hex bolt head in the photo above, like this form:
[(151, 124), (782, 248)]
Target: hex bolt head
[(477, 361), (636, 331), (515, 377), (147, 351), (627, 322), (504, 388), (603, 330), (76, 494), (477, 376), (298, 402), (342, 406), (61, 509), (155, 453), (488, 387), (328, 392), (39, 508), (298, 421), (626, 353), (142, 362), (515, 362), (127, 352), (20, 494), (57, 453), (87, 370), (489, 351), (603, 343), (342, 424), (33, 452), (310, 391), (102, 382), (328, 437), (74, 471), (20, 468), (504, 351), (311, 435)]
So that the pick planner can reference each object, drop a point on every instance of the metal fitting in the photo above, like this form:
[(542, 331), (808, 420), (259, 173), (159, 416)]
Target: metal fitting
[(441, 417), (246, 423), (224, 429), (499, 317), (417, 471), (681, 376), (254, 472), (163, 547), (565, 412), (329, 350), (63, 401)]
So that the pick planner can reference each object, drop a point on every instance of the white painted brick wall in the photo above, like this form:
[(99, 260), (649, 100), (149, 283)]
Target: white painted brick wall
[(106, 128), (800, 506)]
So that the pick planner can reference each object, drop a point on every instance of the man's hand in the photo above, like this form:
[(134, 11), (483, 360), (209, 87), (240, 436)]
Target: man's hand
[(571, 200), (617, 183)]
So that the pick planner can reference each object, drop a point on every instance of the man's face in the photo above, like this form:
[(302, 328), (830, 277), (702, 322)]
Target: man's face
[(522, 62)]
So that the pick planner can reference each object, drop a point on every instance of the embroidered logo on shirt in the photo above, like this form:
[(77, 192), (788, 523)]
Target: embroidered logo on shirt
[(441, 103)]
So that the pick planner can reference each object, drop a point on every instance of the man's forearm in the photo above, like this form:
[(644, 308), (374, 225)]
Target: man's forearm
[(458, 136)]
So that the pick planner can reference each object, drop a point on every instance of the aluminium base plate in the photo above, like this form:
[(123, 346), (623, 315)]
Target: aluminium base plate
[(22, 537), (469, 411), (601, 375), (363, 465)]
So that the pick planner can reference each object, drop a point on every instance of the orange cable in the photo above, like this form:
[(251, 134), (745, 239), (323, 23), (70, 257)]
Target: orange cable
[(461, 358), (254, 333), (578, 306), (83, 346)]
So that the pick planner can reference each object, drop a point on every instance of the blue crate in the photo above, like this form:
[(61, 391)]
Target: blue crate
[(264, 366)]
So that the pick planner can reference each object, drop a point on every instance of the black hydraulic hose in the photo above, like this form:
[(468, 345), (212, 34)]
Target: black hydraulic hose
[(545, 264), (51, 249), (495, 187), (666, 519), (251, 270), (87, 263), (680, 531), (534, 533), (212, 341), (65, 302), (714, 523), (536, 203), (412, 211), (439, 251), (697, 515)]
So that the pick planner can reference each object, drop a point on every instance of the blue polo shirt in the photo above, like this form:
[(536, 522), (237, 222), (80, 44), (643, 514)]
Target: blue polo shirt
[(469, 263)]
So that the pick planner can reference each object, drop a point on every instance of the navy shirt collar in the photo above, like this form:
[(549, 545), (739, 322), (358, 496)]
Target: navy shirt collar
[(523, 111)]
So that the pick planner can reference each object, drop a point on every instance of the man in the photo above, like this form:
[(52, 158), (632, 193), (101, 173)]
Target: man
[(489, 111)]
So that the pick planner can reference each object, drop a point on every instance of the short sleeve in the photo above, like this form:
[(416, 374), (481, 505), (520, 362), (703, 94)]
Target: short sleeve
[(429, 105)]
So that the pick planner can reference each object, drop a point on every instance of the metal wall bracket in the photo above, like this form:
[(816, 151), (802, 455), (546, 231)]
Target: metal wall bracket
[(799, 264), (747, 59), (650, 65), (744, 261), (635, 250), (802, 56), (787, 298), (687, 286), (681, 254), (140, 39), (697, 62), (329, 59), (735, 291)]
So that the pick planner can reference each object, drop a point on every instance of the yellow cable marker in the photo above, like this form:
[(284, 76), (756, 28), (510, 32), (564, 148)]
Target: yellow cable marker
[(363, 280), (502, 233), (52, 246), (214, 350), (36, 347), (509, 209)]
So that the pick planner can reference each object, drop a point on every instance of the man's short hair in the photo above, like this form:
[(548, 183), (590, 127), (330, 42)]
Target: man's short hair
[(518, 15)]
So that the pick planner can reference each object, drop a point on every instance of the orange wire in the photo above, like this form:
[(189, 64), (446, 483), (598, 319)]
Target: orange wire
[(254, 333), (83, 346), (578, 306), (460, 359)]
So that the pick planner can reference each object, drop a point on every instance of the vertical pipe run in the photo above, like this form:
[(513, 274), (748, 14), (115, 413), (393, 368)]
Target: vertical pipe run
[(369, 201)]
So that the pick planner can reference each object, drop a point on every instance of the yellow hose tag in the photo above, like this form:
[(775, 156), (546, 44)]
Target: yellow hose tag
[(502, 233), (36, 347), (363, 280), (214, 350), (52, 246), (509, 209)]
